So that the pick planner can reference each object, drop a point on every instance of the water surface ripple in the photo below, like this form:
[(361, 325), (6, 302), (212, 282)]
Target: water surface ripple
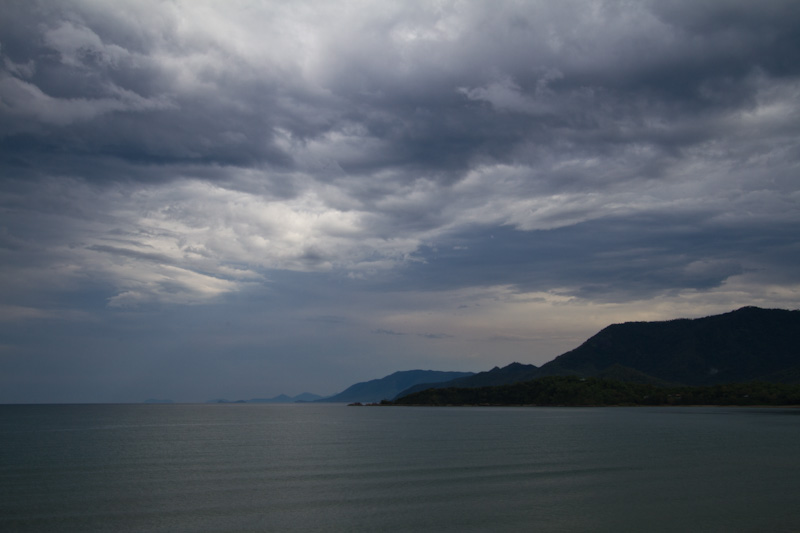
[(332, 468)]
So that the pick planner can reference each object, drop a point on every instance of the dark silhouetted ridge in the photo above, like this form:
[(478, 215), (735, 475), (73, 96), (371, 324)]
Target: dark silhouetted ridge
[(744, 345), (749, 344)]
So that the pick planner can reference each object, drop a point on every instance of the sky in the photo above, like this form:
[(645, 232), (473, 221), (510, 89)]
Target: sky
[(204, 199)]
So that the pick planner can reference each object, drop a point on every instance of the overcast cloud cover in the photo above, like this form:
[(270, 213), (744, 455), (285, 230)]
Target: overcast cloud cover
[(204, 199)]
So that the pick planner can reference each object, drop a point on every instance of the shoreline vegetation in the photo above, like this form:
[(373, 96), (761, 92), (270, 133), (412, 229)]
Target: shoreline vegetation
[(572, 391)]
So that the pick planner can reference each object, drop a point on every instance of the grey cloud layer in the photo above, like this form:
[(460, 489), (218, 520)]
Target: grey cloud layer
[(206, 146), (393, 87)]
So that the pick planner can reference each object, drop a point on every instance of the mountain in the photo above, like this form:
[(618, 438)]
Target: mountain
[(513, 373), (389, 386), (307, 397), (744, 345), (282, 398), (749, 344)]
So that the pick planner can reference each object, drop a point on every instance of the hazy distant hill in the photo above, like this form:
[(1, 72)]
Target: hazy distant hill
[(512, 373), (282, 398), (388, 387), (744, 345)]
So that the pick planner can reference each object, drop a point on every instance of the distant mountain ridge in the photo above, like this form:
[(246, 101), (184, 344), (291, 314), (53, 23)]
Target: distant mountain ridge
[(513, 373), (749, 344), (388, 387), (281, 398)]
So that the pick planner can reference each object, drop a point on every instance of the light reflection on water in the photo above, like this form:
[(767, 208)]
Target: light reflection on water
[(332, 468)]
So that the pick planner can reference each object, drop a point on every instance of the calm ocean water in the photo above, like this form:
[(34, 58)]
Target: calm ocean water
[(333, 468)]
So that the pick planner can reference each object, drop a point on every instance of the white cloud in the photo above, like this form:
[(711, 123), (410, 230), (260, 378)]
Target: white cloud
[(143, 283)]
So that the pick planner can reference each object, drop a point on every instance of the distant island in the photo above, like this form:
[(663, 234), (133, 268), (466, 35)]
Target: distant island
[(750, 356)]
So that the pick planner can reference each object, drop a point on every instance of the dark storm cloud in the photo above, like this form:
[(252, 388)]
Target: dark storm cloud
[(609, 259), (87, 94), (595, 92), (548, 78), (395, 107)]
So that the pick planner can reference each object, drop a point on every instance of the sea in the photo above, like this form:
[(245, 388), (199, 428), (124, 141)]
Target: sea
[(323, 467)]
